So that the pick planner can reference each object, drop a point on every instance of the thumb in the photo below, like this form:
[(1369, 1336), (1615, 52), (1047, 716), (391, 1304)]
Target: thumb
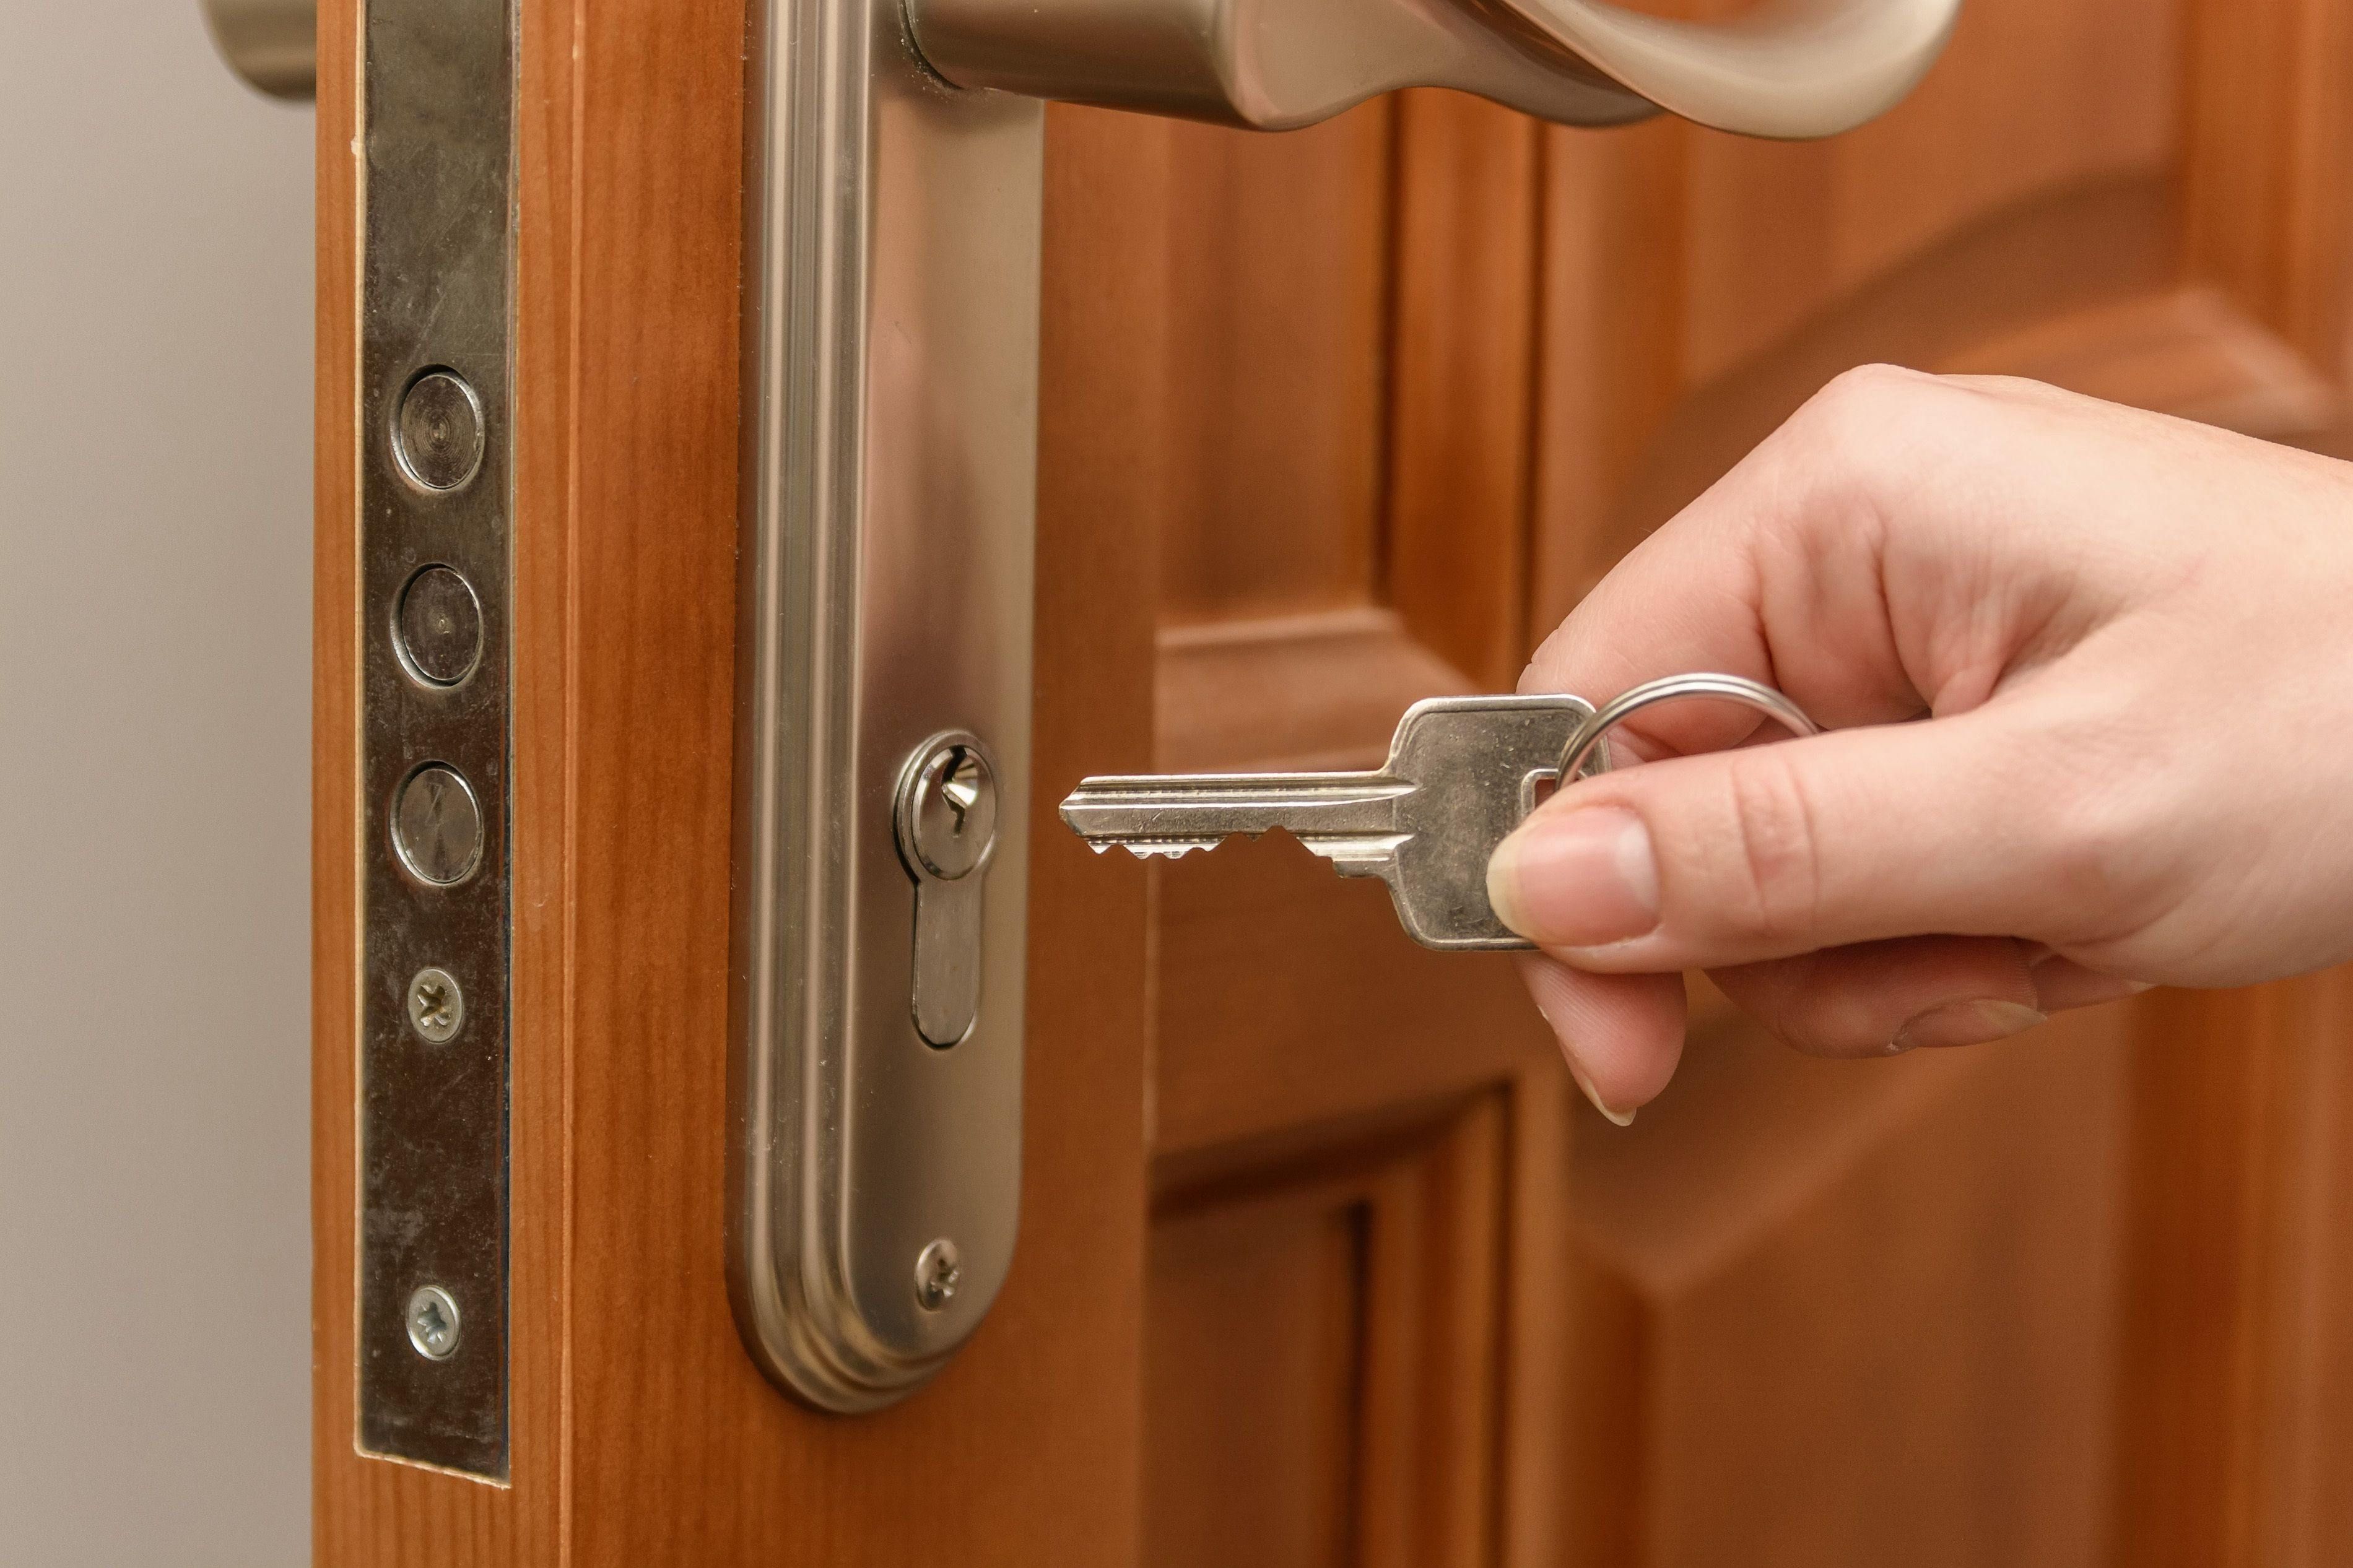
[(1769, 851)]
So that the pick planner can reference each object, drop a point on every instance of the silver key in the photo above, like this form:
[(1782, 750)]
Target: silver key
[(1463, 771)]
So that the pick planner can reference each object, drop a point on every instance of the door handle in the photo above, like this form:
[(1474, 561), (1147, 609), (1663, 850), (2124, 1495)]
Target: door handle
[(272, 45), (1792, 68)]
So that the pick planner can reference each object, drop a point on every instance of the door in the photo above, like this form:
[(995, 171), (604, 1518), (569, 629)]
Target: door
[(1321, 1258)]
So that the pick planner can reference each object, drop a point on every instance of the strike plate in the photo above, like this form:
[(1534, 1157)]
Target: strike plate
[(890, 457), (434, 476)]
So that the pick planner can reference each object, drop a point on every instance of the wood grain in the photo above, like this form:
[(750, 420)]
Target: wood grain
[(1326, 1368), (2268, 149), (1853, 1311), (2235, 1364), (1292, 691), (1277, 284), (2029, 97), (2186, 349), (1463, 354)]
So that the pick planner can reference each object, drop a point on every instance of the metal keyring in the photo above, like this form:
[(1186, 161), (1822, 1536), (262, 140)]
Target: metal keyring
[(1729, 688)]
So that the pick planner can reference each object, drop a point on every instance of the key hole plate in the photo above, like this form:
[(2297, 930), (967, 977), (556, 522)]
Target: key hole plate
[(946, 826)]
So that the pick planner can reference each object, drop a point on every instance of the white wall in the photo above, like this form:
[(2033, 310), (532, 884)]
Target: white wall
[(155, 257)]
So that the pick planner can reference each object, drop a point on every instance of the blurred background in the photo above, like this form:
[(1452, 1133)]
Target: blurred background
[(155, 300)]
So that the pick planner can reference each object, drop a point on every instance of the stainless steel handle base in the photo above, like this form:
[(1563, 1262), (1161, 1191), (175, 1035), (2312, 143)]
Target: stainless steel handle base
[(890, 456), (1787, 68)]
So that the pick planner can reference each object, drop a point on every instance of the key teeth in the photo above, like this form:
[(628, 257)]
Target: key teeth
[(1168, 848)]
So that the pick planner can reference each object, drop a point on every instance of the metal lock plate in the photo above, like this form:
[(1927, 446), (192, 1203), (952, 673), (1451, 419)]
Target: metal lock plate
[(434, 550)]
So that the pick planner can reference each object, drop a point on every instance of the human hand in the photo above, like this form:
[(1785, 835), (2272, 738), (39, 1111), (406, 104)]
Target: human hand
[(2125, 646)]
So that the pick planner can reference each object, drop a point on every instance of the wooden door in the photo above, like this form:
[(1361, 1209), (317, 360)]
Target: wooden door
[(1322, 1260)]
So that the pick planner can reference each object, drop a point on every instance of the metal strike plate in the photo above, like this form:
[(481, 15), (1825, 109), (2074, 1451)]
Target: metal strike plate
[(889, 440), (435, 482)]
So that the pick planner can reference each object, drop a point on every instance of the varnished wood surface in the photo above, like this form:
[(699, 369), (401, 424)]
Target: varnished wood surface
[(1226, 693), (1324, 1356), (1461, 438), (1274, 374), (1814, 1313), (1322, 1260), (2236, 1354), (1841, 1316)]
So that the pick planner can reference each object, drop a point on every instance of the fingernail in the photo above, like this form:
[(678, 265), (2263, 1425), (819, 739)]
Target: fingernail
[(1966, 1024), (1622, 1118), (1576, 879), (2060, 984)]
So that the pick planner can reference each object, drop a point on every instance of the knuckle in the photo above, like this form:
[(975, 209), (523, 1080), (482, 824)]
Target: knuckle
[(1770, 881), (2099, 857), (1857, 403), (2107, 841), (1853, 437)]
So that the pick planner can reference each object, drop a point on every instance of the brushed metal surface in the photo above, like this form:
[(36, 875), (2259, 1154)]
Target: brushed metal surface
[(273, 45), (432, 819), (890, 451), (1783, 68)]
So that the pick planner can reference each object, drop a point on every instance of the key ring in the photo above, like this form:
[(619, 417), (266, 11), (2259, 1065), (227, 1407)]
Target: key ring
[(1737, 688)]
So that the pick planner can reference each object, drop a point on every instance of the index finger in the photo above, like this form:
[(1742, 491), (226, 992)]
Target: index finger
[(1776, 573)]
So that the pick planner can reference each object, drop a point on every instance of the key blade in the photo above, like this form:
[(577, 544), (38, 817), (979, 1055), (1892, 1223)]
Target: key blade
[(1350, 818)]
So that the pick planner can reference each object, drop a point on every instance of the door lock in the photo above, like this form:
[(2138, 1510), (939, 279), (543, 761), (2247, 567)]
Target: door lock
[(946, 822)]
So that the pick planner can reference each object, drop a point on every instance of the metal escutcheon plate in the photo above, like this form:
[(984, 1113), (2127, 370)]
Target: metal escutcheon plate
[(890, 455)]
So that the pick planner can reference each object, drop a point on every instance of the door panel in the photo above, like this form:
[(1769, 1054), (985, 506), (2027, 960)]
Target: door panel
[(1321, 1258), (1278, 289), (1811, 1312)]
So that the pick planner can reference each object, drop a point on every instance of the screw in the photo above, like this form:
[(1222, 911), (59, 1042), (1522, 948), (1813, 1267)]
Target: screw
[(947, 812), (436, 1007), (433, 1322), (937, 1273)]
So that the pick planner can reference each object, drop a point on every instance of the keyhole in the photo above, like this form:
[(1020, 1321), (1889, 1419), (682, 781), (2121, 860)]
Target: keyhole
[(959, 788)]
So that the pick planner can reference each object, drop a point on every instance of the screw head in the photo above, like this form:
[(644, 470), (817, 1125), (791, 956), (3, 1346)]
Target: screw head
[(436, 825), (938, 1271), (947, 808), (437, 1007), (433, 1322), (438, 434)]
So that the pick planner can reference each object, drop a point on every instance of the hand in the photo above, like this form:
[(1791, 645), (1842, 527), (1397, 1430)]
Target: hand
[(2087, 674)]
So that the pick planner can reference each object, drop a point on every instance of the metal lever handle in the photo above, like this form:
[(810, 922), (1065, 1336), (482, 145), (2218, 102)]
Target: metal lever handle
[(271, 44), (1788, 69)]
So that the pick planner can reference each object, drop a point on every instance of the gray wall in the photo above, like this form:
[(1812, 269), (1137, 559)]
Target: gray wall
[(155, 256)]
